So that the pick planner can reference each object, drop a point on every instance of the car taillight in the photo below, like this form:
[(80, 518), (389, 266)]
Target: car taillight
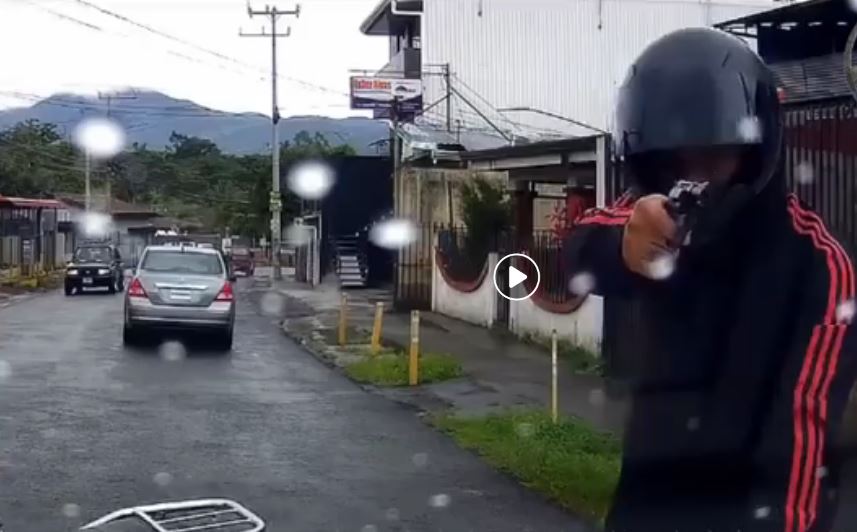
[(136, 289), (226, 293)]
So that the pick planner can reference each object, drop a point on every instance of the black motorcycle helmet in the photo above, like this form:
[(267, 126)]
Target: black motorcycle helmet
[(698, 88)]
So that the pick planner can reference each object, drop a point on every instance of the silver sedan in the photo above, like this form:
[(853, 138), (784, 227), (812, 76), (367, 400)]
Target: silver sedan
[(180, 288)]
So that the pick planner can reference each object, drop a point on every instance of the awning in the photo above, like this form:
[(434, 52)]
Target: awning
[(30, 203)]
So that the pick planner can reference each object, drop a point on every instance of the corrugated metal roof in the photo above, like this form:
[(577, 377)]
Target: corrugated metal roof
[(814, 78), (566, 57)]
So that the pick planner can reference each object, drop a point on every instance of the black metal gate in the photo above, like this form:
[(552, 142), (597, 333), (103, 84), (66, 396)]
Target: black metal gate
[(413, 271)]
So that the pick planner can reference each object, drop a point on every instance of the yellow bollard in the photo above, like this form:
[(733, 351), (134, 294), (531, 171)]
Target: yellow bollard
[(554, 395), (376, 327), (414, 356), (343, 320)]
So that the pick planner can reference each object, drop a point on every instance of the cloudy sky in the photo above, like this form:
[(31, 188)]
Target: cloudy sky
[(49, 46)]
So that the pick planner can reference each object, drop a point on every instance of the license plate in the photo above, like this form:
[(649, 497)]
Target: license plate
[(87, 280), (180, 295)]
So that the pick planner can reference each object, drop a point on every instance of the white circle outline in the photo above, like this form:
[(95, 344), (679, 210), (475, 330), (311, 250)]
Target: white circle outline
[(538, 277)]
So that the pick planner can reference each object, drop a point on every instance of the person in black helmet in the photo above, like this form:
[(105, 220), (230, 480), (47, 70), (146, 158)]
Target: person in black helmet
[(746, 298)]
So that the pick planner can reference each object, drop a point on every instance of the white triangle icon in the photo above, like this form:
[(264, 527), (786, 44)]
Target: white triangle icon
[(516, 277)]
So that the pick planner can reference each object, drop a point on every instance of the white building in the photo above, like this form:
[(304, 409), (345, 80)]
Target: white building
[(560, 56)]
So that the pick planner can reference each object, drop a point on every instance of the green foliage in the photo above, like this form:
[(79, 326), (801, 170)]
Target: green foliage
[(189, 179), (568, 461), (391, 369), (486, 211)]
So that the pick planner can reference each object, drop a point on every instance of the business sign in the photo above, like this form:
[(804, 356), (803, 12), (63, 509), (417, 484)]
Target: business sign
[(381, 93)]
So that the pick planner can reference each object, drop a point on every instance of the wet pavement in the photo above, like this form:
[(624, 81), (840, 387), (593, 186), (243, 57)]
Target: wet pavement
[(88, 426)]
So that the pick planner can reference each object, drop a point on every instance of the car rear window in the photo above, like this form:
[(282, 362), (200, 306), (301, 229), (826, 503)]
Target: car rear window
[(182, 262), (93, 254)]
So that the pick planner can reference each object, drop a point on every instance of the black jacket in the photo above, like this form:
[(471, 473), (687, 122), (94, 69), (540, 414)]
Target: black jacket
[(748, 362)]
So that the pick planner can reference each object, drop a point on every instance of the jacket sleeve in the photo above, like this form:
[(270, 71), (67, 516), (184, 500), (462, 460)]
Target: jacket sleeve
[(802, 402), (594, 247)]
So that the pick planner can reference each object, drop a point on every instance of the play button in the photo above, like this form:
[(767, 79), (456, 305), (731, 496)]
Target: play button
[(508, 276), (516, 277)]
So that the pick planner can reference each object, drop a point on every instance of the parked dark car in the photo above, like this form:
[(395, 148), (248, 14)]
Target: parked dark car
[(95, 266)]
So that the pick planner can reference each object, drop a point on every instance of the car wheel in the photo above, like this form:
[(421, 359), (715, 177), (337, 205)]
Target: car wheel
[(129, 336), (121, 284), (69, 290), (224, 342), (111, 289)]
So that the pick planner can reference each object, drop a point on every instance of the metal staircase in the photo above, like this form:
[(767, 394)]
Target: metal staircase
[(351, 267)]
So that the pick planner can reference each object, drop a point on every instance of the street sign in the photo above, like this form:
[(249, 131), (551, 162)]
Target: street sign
[(380, 93)]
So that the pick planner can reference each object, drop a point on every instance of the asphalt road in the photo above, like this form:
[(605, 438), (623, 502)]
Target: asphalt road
[(88, 426)]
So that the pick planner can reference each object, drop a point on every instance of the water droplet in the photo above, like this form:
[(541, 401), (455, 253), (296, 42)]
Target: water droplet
[(845, 311), (662, 267), (369, 528), (441, 500), (821, 472), (71, 510), (750, 129), (392, 514), (596, 397), (5, 370), (524, 430), (420, 459), (298, 235), (311, 180), (172, 351), (693, 424), (162, 479), (762, 512), (95, 224), (49, 433), (582, 284), (273, 303), (804, 173), (393, 234), (101, 137)]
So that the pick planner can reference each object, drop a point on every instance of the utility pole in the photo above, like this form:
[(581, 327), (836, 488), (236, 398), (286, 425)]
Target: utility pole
[(276, 203), (108, 178), (397, 186), (446, 79)]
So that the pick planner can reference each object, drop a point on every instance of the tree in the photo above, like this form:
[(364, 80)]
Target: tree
[(486, 211)]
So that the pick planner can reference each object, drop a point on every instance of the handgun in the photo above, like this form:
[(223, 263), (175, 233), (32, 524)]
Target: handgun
[(686, 200)]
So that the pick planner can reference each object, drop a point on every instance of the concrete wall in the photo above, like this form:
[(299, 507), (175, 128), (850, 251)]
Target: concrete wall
[(582, 327), (478, 306)]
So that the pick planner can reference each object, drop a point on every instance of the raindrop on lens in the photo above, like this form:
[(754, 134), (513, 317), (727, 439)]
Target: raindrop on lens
[(750, 129), (101, 137), (821, 472), (172, 351), (392, 514), (5, 370), (311, 180), (369, 528), (845, 311), (162, 479), (71, 510), (762, 512), (804, 173), (524, 430), (273, 303), (662, 267), (298, 235), (441, 500), (596, 397), (420, 459), (693, 424), (582, 284), (49, 433), (393, 234)]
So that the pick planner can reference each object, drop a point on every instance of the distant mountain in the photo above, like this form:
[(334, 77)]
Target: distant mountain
[(150, 118)]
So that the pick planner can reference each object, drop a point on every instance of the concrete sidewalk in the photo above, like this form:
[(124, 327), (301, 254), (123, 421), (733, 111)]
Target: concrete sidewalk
[(500, 371)]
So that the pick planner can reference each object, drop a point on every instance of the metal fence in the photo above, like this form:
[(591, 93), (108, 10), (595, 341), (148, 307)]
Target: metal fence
[(547, 250), (464, 255), (413, 271)]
